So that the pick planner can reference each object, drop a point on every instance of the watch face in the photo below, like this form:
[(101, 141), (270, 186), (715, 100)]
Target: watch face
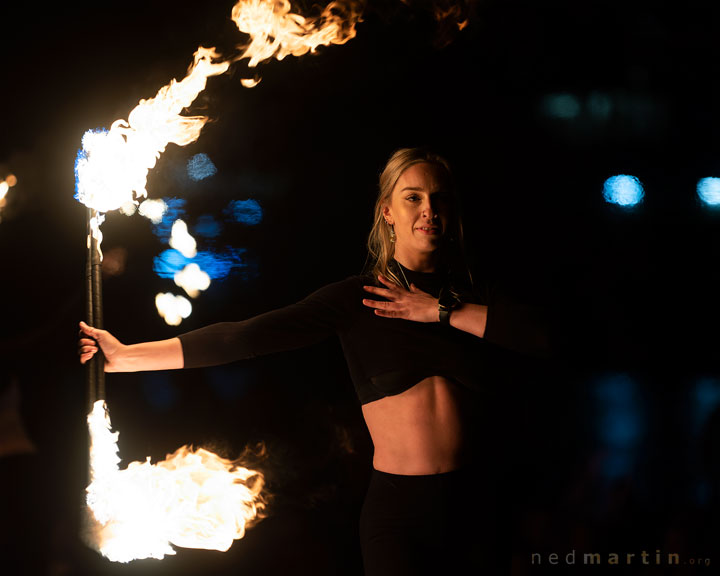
[(448, 299)]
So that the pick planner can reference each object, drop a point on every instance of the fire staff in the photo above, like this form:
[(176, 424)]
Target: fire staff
[(418, 338)]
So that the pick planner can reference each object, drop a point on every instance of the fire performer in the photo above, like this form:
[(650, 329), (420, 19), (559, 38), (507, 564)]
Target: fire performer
[(415, 334)]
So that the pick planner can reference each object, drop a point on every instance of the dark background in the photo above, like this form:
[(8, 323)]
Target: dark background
[(611, 445)]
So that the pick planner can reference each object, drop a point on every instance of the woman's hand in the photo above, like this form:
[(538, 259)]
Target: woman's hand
[(91, 338), (413, 304)]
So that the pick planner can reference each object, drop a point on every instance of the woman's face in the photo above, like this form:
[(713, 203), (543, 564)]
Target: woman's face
[(419, 210)]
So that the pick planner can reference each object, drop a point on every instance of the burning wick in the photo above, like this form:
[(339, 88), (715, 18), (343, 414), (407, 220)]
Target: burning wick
[(192, 499)]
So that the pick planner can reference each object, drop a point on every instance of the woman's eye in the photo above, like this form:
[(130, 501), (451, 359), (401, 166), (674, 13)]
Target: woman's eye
[(413, 198)]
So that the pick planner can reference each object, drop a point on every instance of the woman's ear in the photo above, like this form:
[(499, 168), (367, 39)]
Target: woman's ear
[(387, 214)]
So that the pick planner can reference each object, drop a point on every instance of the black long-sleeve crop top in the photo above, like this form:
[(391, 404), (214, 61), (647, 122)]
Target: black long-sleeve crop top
[(385, 356)]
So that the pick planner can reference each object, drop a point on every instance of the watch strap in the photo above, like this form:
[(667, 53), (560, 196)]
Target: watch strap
[(444, 315)]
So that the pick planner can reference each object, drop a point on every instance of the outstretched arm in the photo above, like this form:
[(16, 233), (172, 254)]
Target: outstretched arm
[(304, 323), (119, 357)]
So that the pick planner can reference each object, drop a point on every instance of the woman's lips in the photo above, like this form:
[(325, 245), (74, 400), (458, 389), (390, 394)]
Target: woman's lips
[(429, 230)]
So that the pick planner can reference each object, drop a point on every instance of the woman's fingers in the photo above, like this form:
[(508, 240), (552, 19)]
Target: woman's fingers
[(384, 292), (86, 354), (375, 303), (87, 345), (386, 281)]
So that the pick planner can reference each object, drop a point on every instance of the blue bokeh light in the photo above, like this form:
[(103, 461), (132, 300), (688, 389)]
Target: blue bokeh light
[(169, 262), (706, 400), (175, 209), (619, 423), (599, 105), (247, 212), (708, 190), (220, 264), (623, 190), (215, 264), (200, 167), (563, 106), (207, 227)]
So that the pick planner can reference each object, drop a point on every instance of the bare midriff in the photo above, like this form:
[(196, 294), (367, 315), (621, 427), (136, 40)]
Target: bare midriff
[(419, 431)]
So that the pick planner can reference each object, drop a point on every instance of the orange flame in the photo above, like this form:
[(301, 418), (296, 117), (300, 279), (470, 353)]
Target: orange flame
[(112, 169), (192, 499), (277, 32)]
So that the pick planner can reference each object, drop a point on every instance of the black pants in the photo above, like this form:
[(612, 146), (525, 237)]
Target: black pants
[(434, 524)]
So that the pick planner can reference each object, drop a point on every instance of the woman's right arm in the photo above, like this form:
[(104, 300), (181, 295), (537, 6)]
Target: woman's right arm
[(119, 357), (295, 326)]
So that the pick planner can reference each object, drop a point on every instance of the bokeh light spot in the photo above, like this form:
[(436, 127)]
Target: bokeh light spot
[(174, 209), (708, 190), (215, 264), (207, 227), (247, 212), (172, 308), (563, 106), (599, 105), (168, 263), (623, 190), (220, 264), (153, 210), (619, 422), (200, 167)]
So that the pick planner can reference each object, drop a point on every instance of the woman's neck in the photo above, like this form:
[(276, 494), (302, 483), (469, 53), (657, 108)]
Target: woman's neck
[(420, 262)]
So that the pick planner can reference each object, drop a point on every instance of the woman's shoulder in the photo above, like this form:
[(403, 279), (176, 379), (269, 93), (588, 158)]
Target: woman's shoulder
[(341, 289)]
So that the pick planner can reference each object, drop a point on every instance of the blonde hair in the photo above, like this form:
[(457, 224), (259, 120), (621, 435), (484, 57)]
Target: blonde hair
[(380, 248)]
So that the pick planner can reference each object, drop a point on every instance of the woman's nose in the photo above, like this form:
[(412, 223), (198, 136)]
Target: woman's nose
[(429, 211)]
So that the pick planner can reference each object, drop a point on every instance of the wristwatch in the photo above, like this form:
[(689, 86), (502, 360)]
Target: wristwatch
[(447, 302)]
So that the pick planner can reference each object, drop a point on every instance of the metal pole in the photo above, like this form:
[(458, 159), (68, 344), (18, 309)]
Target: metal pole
[(94, 314), (95, 368)]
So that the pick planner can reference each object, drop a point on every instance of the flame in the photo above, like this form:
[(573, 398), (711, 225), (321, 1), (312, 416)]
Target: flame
[(113, 165), (192, 279), (129, 208), (454, 14), (277, 32), (172, 308), (192, 499), (250, 82)]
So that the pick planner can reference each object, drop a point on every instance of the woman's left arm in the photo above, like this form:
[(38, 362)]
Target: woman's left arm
[(470, 318), (508, 324), (419, 306)]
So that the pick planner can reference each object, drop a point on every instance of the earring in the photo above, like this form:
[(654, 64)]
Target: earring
[(392, 232)]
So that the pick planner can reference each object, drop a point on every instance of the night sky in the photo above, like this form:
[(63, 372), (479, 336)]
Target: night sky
[(612, 444)]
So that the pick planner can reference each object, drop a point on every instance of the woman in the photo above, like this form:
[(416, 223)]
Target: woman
[(411, 332)]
